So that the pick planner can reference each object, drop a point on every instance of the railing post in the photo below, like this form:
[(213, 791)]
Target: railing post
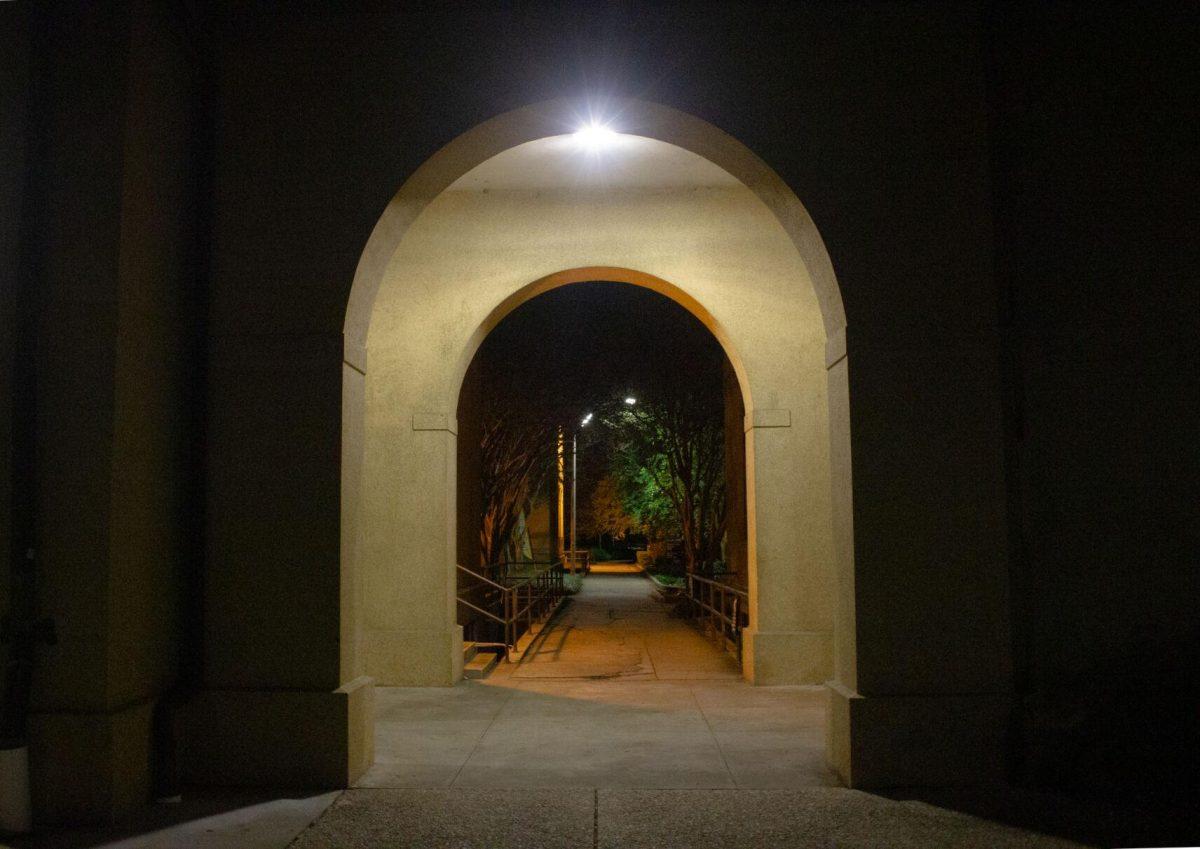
[(737, 632), (509, 642), (711, 604)]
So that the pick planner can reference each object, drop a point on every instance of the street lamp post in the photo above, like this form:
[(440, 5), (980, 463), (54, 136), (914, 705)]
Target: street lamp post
[(574, 479), (574, 451), (629, 401)]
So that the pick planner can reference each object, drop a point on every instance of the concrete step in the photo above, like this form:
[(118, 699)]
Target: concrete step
[(469, 652), (481, 664)]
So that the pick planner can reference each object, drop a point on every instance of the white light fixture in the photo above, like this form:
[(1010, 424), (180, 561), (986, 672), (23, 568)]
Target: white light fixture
[(631, 401), (595, 136), (586, 419)]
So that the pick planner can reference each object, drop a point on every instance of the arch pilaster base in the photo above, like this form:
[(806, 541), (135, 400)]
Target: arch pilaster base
[(787, 657), (396, 658), (289, 738), (877, 742)]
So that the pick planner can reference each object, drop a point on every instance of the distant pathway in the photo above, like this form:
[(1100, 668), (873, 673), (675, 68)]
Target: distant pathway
[(615, 628), (615, 694)]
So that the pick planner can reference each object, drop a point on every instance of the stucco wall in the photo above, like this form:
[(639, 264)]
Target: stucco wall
[(474, 248)]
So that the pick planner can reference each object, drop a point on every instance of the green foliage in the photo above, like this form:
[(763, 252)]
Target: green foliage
[(651, 509), (599, 555), (669, 466)]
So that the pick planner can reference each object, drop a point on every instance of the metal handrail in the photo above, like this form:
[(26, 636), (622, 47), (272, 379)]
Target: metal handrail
[(522, 600), (720, 608), (524, 579), (481, 578), (727, 586), (477, 609)]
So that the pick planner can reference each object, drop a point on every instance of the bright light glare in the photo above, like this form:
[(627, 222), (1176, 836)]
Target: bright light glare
[(595, 136), (631, 401), (586, 419)]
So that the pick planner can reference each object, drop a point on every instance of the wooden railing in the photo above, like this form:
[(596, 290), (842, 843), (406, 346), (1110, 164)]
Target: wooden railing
[(720, 610), (500, 604)]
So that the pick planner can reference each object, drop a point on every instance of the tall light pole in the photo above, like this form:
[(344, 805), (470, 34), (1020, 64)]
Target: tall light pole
[(574, 451), (574, 481), (560, 538)]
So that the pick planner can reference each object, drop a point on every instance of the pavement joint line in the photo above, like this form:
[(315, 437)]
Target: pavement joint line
[(308, 826), (479, 740), (650, 657), (595, 818), (713, 734)]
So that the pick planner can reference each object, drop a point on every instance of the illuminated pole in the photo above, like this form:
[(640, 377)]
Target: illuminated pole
[(560, 538), (574, 451), (574, 479)]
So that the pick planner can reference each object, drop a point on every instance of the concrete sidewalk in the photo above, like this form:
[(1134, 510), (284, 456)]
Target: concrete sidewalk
[(554, 818), (616, 694), (629, 819), (623, 727)]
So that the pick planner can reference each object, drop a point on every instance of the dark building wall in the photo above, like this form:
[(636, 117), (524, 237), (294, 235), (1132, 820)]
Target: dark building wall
[(1096, 171), (1012, 242), (14, 107), (110, 228)]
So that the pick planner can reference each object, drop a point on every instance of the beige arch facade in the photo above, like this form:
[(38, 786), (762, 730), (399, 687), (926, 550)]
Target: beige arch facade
[(488, 223)]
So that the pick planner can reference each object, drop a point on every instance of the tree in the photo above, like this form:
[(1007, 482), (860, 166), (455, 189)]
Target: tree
[(675, 439), (578, 350), (651, 510), (517, 454), (608, 514)]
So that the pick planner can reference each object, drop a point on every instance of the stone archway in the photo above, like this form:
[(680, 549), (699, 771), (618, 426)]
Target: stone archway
[(511, 209)]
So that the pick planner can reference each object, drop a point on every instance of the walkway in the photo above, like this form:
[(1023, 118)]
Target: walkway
[(616, 694), (624, 728)]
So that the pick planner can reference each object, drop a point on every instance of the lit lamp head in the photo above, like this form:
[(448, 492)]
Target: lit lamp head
[(595, 136), (585, 421)]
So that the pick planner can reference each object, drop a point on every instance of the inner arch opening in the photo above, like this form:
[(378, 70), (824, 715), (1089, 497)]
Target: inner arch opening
[(600, 425)]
